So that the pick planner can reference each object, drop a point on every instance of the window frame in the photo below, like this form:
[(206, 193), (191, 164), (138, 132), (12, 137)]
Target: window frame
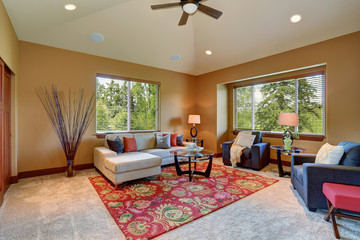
[(276, 78), (101, 134)]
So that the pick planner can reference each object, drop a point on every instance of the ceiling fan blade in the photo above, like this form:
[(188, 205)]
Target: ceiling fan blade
[(166, 5), (209, 11), (183, 19)]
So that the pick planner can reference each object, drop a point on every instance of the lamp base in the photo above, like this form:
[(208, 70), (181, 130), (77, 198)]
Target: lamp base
[(191, 132), (287, 139)]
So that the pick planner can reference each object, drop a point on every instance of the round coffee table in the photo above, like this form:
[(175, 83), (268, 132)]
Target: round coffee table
[(280, 150), (184, 156)]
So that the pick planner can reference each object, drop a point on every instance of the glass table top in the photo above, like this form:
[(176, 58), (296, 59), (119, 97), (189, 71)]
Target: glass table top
[(288, 152)]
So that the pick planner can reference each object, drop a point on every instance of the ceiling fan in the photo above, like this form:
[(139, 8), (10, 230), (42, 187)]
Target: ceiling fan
[(190, 7)]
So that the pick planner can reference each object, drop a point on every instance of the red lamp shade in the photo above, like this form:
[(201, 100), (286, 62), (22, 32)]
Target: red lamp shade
[(289, 119)]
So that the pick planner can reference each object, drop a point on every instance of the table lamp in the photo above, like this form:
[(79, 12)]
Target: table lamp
[(288, 119), (194, 119)]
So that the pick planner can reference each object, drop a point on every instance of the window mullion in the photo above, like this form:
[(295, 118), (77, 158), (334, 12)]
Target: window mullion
[(236, 109), (297, 101), (252, 108), (128, 106)]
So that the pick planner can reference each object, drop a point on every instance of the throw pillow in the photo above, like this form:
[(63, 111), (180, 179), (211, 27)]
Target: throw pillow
[(353, 157), (173, 139), (130, 144), (329, 154), (163, 141), (245, 140), (116, 145), (179, 140)]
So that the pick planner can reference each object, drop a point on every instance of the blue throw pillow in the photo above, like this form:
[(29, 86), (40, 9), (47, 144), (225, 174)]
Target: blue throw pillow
[(179, 140), (347, 147), (352, 157), (116, 145)]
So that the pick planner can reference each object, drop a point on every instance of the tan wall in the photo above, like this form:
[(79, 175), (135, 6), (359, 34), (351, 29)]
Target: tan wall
[(40, 65), (342, 59), (9, 43)]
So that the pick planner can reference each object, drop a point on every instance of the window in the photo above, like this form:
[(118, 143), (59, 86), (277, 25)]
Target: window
[(257, 107), (124, 105)]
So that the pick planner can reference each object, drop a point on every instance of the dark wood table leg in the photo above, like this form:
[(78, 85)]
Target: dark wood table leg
[(208, 169), (282, 173), (179, 172), (190, 172)]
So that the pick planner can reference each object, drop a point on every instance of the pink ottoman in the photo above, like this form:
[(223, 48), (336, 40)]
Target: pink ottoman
[(340, 196)]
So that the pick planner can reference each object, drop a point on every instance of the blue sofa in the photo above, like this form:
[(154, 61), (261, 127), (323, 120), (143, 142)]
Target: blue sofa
[(308, 177)]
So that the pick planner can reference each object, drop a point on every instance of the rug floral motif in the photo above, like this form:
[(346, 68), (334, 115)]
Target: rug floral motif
[(149, 207)]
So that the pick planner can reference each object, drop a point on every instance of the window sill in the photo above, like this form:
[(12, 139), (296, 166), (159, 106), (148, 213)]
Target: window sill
[(308, 137), (103, 135)]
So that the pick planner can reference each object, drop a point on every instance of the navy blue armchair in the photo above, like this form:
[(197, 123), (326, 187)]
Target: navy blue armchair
[(308, 177), (256, 157)]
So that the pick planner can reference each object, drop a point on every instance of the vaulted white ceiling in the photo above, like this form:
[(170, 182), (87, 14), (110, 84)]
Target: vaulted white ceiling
[(247, 30)]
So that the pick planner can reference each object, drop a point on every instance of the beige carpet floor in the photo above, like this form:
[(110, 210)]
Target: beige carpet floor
[(55, 207)]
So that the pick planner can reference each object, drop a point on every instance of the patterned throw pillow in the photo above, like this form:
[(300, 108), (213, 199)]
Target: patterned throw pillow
[(116, 145), (163, 141), (329, 154), (179, 140), (245, 140)]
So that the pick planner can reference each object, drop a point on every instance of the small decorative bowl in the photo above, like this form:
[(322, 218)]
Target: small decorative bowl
[(193, 150)]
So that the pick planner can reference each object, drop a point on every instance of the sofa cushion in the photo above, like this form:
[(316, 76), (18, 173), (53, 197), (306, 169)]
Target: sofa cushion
[(116, 145), (246, 153), (245, 140), (130, 144), (131, 161), (297, 170), (163, 141), (179, 140), (173, 139), (352, 158), (163, 153), (145, 141), (347, 147), (329, 154), (113, 136)]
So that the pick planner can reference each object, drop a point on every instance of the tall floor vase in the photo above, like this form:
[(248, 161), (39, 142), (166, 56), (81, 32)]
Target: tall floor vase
[(69, 169)]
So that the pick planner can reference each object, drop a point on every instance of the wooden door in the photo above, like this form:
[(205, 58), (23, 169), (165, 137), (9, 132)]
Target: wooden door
[(5, 135)]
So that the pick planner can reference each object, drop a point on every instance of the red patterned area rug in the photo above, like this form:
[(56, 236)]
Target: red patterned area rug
[(149, 207)]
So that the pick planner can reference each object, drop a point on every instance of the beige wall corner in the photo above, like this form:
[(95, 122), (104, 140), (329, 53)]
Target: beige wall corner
[(222, 115)]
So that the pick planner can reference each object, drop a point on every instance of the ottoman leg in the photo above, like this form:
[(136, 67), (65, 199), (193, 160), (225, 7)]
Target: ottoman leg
[(331, 214)]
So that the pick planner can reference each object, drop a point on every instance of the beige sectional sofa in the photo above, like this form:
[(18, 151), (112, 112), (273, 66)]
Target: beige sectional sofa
[(147, 161)]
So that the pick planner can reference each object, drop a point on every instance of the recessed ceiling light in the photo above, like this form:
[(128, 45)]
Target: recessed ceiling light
[(295, 18), (208, 52), (97, 37), (70, 7), (175, 57)]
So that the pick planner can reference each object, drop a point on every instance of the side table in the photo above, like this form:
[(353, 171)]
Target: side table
[(280, 150)]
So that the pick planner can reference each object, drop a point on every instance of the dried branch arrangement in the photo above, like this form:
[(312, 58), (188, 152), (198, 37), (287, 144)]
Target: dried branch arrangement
[(70, 117)]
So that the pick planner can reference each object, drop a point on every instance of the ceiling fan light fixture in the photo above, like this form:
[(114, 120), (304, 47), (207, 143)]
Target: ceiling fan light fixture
[(295, 18), (190, 7), (70, 7)]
